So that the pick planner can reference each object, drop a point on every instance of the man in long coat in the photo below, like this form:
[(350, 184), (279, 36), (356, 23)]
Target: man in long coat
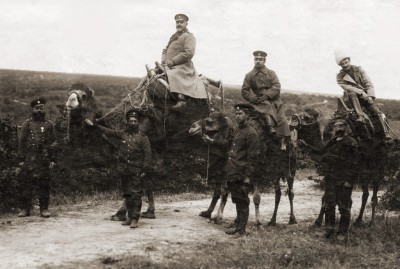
[(177, 56), (261, 87)]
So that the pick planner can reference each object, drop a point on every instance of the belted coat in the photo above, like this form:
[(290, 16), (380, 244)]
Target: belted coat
[(261, 87), (182, 76), (359, 82)]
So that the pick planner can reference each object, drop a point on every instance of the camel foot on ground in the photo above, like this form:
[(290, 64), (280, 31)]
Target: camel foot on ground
[(359, 224), (119, 216), (216, 220), (292, 220), (272, 223), (205, 214)]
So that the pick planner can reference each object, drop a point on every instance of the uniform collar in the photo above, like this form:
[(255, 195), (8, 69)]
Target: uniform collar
[(263, 70)]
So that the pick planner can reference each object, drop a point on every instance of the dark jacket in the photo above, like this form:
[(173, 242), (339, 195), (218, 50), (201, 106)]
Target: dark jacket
[(37, 141), (134, 149), (243, 153), (341, 158)]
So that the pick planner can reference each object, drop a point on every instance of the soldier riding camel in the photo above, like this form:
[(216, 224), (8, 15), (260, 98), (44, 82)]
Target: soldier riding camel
[(261, 87), (177, 61), (359, 89)]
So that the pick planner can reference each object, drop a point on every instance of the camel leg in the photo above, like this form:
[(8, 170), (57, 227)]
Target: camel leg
[(359, 220), (224, 198), (120, 215), (278, 194), (318, 221), (216, 196), (292, 219), (374, 199), (149, 214), (256, 201)]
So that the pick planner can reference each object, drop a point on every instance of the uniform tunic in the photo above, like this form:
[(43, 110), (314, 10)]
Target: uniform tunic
[(182, 77), (134, 156), (261, 87), (242, 160), (356, 80)]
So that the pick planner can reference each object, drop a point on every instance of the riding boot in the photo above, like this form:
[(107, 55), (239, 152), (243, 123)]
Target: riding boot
[(181, 103), (234, 228), (357, 107), (270, 127), (44, 204), (384, 126), (244, 218), (235, 223), (25, 208), (330, 218)]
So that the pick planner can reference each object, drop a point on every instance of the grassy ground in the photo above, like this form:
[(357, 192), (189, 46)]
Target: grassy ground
[(297, 246)]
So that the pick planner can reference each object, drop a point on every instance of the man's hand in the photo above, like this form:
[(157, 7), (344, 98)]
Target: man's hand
[(170, 63), (207, 139), (370, 100), (89, 122), (364, 95), (52, 164)]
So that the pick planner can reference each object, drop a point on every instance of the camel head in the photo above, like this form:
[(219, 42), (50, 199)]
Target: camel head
[(80, 96)]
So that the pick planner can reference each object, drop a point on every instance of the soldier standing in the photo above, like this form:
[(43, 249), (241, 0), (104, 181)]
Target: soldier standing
[(261, 87), (340, 162), (359, 89), (177, 56), (243, 157), (37, 144), (134, 156)]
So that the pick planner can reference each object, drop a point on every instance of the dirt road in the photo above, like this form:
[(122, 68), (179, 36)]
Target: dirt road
[(85, 234)]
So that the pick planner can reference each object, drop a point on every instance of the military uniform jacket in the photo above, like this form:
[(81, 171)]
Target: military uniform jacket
[(182, 77), (243, 154), (261, 87), (356, 81), (134, 150), (341, 158), (37, 142)]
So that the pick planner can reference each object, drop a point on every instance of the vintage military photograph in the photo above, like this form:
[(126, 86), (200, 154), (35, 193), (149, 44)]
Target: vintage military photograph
[(199, 134)]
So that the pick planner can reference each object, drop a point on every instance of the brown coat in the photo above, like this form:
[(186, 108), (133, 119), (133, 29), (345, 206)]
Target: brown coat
[(182, 77), (261, 87)]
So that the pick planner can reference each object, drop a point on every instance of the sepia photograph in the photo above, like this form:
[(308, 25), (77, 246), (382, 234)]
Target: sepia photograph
[(199, 134)]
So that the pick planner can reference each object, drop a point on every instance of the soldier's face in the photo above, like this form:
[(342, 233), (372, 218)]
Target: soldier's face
[(181, 25), (345, 64), (38, 110), (133, 122), (259, 61), (241, 117)]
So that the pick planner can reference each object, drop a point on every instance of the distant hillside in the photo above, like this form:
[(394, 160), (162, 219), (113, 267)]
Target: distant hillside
[(18, 88)]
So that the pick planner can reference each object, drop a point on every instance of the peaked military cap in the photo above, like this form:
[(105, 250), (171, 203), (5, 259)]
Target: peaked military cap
[(245, 107), (38, 101), (181, 17), (132, 113), (260, 53)]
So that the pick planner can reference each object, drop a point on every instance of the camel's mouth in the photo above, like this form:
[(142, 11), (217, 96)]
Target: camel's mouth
[(195, 130), (73, 101)]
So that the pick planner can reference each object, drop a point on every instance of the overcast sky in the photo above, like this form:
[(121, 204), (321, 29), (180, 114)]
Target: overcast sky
[(118, 37)]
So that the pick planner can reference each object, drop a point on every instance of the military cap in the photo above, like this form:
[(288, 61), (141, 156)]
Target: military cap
[(260, 53), (244, 107), (132, 113), (181, 17), (38, 101)]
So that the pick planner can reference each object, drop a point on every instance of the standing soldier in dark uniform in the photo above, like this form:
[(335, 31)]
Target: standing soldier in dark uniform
[(134, 163), (261, 87), (359, 89), (340, 162), (37, 144), (243, 157)]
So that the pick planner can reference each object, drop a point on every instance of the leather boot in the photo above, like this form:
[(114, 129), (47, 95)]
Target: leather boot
[(357, 108), (384, 127), (134, 224), (270, 128), (149, 214), (129, 219), (181, 103), (44, 204), (234, 228), (24, 213)]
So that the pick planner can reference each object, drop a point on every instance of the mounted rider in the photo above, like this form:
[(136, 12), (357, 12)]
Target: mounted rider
[(359, 89), (261, 87), (177, 60)]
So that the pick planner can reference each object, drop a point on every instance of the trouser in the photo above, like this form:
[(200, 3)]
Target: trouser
[(32, 180), (338, 194), (133, 202), (240, 196)]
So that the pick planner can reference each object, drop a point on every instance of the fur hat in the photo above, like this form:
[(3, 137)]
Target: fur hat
[(340, 55)]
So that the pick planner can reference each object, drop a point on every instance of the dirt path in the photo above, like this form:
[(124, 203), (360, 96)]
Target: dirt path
[(84, 234)]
